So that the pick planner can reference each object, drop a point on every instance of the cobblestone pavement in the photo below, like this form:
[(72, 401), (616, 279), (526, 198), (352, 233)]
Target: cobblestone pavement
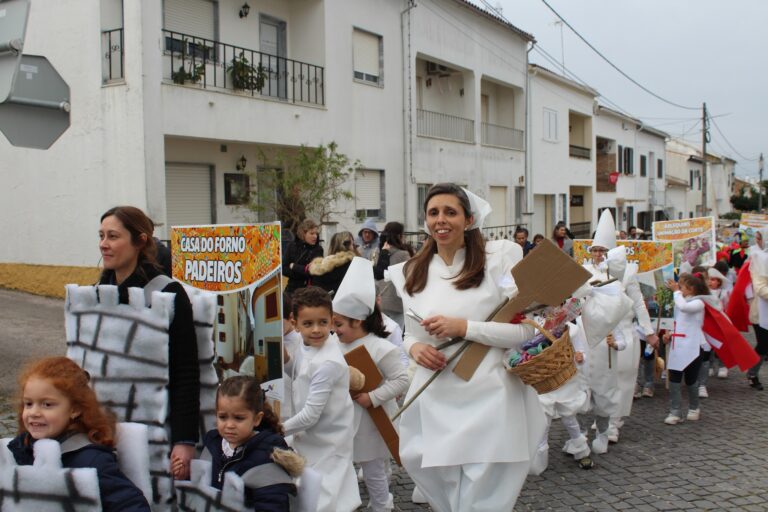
[(717, 463)]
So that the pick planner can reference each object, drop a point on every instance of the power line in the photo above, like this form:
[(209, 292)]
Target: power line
[(614, 66), (729, 143)]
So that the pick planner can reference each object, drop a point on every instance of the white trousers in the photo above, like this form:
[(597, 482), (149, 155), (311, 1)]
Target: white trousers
[(376, 478)]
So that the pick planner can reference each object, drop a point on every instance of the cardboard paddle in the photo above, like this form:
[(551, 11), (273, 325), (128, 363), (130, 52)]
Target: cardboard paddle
[(546, 276), (361, 359)]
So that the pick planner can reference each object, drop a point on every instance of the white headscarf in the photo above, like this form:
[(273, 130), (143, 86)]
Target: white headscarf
[(479, 209)]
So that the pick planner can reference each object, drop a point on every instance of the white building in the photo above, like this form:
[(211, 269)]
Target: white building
[(562, 153), (417, 93), (629, 169)]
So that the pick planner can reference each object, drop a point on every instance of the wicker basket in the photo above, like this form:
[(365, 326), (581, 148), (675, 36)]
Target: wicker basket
[(552, 368)]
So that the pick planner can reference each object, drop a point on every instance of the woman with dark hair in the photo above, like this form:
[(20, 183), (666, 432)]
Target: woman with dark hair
[(302, 250), (328, 272), (455, 282), (128, 254), (561, 238), (394, 250)]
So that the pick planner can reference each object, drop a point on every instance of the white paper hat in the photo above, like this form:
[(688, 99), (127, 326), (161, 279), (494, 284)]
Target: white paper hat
[(479, 208), (605, 234), (713, 273), (356, 295)]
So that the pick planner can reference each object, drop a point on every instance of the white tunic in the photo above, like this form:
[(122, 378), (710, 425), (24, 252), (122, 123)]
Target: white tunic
[(571, 398), (369, 444), (689, 338), (470, 422), (322, 423)]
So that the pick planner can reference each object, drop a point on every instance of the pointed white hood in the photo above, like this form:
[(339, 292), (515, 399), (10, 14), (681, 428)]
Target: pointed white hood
[(356, 295), (605, 234)]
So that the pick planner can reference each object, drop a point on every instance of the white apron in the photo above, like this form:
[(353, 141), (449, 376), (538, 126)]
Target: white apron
[(688, 338)]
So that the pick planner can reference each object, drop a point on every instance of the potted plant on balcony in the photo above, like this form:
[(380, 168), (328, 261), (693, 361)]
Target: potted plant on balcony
[(191, 76), (244, 76)]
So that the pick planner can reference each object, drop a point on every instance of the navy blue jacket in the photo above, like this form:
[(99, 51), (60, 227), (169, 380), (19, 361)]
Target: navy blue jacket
[(255, 452), (118, 494)]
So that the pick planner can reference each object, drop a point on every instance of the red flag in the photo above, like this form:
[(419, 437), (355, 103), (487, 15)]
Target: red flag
[(738, 306), (728, 343)]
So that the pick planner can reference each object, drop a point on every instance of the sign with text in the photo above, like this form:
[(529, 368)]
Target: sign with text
[(693, 240), (750, 223)]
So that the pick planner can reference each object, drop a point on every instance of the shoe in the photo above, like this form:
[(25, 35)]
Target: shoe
[(693, 415), (703, 392), (360, 475), (672, 419), (648, 392), (600, 443), (722, 373), (418, 496), (586, 463), (711, 372), (613, 434), (755, 382), (638, 394)]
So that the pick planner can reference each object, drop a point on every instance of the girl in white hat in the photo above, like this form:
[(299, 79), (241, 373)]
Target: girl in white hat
[(358, 323)]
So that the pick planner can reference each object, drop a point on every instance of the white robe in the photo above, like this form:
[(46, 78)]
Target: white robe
[(468, 424), (571, 398), (322, 423), (689, 338)]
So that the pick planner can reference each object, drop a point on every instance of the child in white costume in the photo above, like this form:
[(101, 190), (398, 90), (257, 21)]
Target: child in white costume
[(566, 402), (448, 442), (322, 424), (720, 287), (358, 323)]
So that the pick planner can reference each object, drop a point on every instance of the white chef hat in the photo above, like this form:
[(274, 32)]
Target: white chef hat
[(479, 208), (356, 295), (605, 234)]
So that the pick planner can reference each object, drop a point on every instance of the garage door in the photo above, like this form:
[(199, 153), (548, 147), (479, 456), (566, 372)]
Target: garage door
[(188, 195)]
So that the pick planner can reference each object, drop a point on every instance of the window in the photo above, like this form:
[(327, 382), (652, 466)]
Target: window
[(629, 156), (690, 179), (659, 168), (550, 125), (421, 196), (367, 57), (369, 195), (643, 166), (620, 166), (192, 22)]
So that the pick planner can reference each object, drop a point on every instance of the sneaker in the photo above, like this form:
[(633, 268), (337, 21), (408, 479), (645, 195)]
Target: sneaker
[(360, 475), (638, 393), (722, 372), (755, 382), (703, 392), (600, 443), (672, 419), (711, 372), (693, 415), (648, 392)]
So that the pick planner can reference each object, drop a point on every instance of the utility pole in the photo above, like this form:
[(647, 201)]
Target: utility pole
[(760, 186), (704, 140)]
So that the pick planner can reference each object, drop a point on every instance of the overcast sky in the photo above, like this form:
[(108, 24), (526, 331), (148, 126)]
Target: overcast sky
[(686, 51)]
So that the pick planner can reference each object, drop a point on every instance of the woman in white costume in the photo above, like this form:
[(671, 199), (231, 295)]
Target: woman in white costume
[(468, 445)]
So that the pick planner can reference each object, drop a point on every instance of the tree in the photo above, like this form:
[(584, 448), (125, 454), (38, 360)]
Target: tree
[(745, 204), (310, 184)]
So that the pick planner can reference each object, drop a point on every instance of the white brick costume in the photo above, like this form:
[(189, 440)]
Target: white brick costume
[(124, 347)]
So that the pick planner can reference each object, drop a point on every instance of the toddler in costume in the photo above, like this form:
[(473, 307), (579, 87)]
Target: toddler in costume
[(57, 403), (359, 323), (322, 423)]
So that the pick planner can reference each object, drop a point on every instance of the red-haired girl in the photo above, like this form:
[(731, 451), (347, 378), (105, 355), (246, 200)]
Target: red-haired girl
[(57, 403)]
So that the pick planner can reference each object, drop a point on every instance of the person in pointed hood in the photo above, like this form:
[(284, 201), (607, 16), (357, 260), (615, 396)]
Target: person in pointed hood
[(358, 323)]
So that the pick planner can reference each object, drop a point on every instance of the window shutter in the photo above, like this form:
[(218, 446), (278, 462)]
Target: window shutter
[(368, 190), (191, 17), (188, 195), (365, 52)]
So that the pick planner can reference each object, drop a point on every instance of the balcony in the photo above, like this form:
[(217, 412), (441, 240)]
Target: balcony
[(112, 56), (215, 65), (579, 152), (502, 136), (445, 126)]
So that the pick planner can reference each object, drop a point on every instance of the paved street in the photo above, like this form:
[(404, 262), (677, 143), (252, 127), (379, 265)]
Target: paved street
[(718, 463)]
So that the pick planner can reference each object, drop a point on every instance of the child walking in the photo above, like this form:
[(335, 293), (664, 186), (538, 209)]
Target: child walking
[(719, 286), (322, 422), (687, 344), (57, 403), (248, 440), (358, 322)]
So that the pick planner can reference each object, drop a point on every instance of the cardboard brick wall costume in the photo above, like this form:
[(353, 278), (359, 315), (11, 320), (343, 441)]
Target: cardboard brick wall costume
[(124, 347), (45, 486)]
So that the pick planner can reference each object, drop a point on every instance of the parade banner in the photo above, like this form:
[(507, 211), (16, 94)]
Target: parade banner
[(654, 262), (750, 223), (242, 265), (693, 240)]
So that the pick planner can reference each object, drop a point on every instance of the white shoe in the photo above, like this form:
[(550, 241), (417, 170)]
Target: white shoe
[(671, 419), (600, 443), (722, 372), (703, 392), (648, 392), (360, 475), (693, 415), (711, 372), (418, 496)]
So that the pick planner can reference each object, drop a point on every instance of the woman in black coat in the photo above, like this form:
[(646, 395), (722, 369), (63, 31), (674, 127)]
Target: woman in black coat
[(328, 272), (300, 253)]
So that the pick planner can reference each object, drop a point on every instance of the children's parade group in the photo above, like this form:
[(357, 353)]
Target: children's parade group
[(366, 386)]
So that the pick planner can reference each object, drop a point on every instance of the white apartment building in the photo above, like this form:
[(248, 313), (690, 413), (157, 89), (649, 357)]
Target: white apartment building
[(629, 169), (161, 119), (561, 156)]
